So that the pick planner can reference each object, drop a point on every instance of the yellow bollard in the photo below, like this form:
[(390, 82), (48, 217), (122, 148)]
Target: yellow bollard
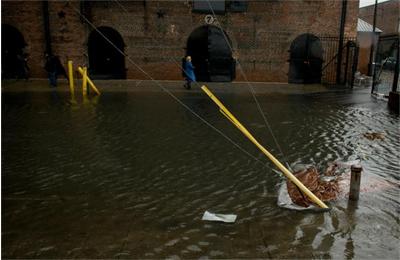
[(84, 82), (71, 78), (91, 84), (283, 169)]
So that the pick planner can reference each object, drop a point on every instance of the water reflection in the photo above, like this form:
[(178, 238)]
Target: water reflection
[(351, 211), (129, 174)]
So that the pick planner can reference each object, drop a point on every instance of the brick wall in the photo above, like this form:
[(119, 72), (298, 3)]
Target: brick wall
[(67, 32), (155, 32)]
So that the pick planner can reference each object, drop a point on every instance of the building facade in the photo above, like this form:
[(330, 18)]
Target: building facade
[(281, 41)]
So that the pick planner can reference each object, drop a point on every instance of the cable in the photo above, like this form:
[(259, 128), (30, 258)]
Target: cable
[(179, 101), (169, 92), (250, 87)]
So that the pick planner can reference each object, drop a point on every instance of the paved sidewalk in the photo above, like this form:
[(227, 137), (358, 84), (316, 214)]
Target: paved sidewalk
[(34, 85)]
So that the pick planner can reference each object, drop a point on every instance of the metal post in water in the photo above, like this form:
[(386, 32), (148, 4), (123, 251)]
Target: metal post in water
[(355, 182)]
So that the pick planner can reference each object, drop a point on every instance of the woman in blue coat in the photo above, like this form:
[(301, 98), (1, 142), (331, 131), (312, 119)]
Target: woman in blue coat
[(189, 72)]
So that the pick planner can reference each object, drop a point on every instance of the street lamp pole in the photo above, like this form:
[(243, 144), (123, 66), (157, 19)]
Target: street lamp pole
[(341, 36), (371, 68)]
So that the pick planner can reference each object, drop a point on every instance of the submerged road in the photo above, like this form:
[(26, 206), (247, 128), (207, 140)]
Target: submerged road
[(130, 173)]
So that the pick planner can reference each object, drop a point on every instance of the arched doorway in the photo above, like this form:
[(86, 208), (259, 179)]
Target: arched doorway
[(105, 61), (12, 45), (211, 54), (306, 57)]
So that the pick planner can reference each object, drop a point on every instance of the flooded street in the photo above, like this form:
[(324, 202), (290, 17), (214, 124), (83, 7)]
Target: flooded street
[(129, 174)]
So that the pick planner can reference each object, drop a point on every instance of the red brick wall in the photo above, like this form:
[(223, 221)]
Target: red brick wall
[(68, 35), (260, 37)]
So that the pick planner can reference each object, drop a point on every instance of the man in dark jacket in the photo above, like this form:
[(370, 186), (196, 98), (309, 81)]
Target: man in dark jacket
[(54, 68)]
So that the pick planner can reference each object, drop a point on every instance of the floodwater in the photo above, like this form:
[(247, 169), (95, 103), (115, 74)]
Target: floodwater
[(130, 174)]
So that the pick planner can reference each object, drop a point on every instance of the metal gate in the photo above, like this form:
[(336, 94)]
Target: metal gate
[(348, 65), (384, 73)]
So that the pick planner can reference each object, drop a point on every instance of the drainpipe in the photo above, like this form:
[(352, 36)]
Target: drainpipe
[(85, 11), (145, 16), (394, 96), (46, 23), (341, 36), (396, 68), (371, 68), (371, 53)]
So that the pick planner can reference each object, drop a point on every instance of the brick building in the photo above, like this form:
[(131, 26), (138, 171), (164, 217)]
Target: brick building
[(271, 40)]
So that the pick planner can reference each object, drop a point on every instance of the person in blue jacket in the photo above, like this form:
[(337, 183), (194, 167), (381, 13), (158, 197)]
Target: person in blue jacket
[(189, 72)]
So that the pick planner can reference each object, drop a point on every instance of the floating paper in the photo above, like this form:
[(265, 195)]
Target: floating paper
[(228, 218)]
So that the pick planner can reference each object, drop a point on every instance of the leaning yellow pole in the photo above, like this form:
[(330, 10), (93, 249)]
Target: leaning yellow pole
[(285, 171), (71, 78), (91, 84)]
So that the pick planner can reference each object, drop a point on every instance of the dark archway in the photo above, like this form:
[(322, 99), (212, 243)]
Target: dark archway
[(211, 54), (12, 45), (306, 57), (105, 61)]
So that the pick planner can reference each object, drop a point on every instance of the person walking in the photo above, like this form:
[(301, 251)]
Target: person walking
[(22, 66), (54, 68), (189, 72)]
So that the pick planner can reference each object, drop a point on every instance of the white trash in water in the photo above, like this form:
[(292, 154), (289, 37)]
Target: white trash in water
[(228, 218)]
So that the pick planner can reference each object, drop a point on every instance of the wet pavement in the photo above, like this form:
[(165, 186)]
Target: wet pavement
[(129, 174)]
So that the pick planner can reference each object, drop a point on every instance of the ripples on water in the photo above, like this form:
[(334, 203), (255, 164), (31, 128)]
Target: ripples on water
[(129, 175)]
